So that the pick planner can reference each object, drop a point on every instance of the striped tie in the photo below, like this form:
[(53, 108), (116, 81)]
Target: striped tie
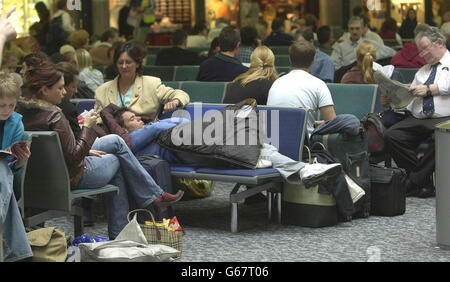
[(428, 102)]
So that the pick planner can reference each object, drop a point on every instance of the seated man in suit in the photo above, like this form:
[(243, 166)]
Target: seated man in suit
[(224, 66)]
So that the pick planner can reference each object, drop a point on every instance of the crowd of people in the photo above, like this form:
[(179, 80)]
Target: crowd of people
[(105, 148)]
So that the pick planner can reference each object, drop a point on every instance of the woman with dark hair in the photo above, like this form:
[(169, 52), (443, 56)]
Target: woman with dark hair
[(143, 94), (91, 162), (389, 30), (409, 24)]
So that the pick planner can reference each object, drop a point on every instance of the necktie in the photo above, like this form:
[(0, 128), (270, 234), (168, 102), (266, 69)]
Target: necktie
[(428, 102)]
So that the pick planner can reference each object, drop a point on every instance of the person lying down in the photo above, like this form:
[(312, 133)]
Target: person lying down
[(151, 139)]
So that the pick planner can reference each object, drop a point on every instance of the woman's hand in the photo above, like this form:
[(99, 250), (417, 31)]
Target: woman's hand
[(96, 153), (90, 119), (170, 106), (22, 153)]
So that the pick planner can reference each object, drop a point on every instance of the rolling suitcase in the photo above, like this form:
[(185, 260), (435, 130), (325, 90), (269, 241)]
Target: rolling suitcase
[(388, 191), (159, 169), (352, 153)]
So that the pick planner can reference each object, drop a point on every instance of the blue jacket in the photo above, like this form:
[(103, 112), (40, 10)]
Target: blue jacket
[(13, 132), (143, 140)]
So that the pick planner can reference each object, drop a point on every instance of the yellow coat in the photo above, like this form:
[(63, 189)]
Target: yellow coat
[(149, 96)]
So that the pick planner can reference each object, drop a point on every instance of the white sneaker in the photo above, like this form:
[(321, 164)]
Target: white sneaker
[(312, 174)]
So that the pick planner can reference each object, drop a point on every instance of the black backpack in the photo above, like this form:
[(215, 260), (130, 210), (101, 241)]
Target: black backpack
[(56, 36), (375, 136)]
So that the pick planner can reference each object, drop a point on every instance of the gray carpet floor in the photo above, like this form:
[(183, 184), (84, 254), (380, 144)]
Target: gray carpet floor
[(407, 238)]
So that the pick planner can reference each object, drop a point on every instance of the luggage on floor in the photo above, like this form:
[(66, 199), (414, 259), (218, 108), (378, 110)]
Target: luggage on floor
[(159, 169), (352, 153), (375, 137), (307, 207), (388, 192)]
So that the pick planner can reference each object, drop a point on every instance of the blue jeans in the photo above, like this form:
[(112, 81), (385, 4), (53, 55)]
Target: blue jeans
[(121, 168), (17, 246)]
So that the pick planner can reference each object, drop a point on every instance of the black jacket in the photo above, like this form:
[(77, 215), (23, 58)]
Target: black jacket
[(220, 68), (176, 56), (258, 89), (240, 155)]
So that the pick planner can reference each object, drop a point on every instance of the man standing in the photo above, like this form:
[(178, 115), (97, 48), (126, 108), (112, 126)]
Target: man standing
[(224, 66), (298, 88), (431, 105)]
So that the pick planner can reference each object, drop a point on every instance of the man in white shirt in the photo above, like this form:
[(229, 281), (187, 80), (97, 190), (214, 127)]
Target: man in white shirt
[(344, 53), (366, 33), (298, 88), (431, 105)]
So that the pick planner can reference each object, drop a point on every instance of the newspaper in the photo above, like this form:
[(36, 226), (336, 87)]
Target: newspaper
[(397, 92)]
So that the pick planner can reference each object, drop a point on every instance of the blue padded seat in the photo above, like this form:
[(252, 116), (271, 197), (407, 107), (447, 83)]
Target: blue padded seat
[(182, 168), (238, 172)]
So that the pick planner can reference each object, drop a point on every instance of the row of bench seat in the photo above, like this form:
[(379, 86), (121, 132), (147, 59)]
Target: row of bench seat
[(189, 73), (178, 73), (357, 99), (47, 188)]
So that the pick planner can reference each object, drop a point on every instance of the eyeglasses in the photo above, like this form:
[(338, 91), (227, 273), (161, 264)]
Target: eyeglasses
[(426, 50)]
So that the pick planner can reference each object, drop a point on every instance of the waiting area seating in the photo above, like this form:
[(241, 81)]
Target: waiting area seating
[(408, 73), (189, 73), (47, 193), (356, 99), (291, 134)]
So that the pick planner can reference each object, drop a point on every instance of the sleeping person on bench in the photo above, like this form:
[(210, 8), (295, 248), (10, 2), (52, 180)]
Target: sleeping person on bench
[(146, 140)]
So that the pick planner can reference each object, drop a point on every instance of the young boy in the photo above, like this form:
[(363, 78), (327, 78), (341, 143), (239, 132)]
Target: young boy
[(11, 132)]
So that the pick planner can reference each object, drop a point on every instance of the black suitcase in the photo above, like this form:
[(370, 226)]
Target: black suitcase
[(388, 191), (159, 169), (352, 153)]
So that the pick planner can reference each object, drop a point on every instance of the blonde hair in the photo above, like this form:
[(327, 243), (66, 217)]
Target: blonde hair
[(83, 59), (262, 65), (366, 54), (8, 86)]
